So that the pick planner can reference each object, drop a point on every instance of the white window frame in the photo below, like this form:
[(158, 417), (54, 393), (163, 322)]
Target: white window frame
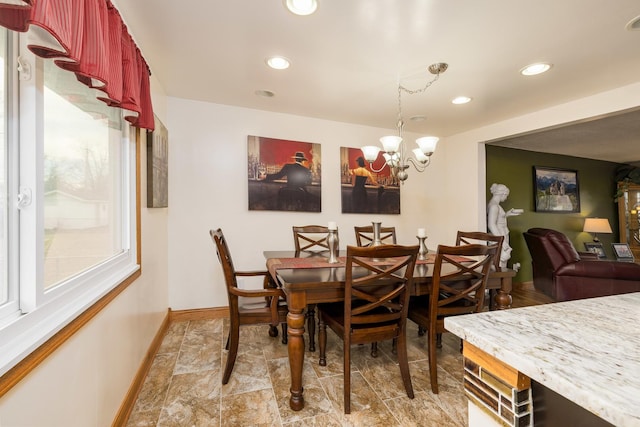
[(9, 309), (43, 313)]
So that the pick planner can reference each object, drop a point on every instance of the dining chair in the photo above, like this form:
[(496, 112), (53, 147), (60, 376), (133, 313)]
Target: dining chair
[(274, 312), (364, 238), (364, 235), (457, 288), (376, 299)]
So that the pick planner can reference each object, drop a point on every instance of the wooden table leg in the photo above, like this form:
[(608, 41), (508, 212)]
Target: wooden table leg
[(500, 285), (295, 323), (503, 295)]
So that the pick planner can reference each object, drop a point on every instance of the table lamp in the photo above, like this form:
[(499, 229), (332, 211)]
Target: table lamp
[(595, 226)]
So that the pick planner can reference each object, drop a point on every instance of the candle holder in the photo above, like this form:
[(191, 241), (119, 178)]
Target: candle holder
[(423, 252), (332, 241), (377, 226)]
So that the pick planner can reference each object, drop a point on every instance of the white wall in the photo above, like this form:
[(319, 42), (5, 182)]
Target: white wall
[(83, 383), (208, 189), (208, 185)]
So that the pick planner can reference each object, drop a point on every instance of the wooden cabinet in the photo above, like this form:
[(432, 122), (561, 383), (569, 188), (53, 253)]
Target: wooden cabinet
[(629, 216)]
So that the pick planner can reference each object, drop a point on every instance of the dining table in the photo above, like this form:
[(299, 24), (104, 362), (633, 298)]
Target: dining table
[(308, 278)]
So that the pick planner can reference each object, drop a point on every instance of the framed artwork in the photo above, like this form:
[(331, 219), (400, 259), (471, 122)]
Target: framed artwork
[(556, 190), (622, 252), (596, 248), (158, 166), (363, 190), (283, 175)]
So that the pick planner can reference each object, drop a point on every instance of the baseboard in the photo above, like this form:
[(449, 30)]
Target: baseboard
[(200, 314), (525, 286), (172, 316), (134, 389)]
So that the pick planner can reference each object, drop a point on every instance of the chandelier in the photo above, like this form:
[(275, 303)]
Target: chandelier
[(395, 155)]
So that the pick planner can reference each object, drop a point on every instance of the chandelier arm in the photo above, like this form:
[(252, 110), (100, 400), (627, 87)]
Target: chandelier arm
[(376, 170), (420, 167)]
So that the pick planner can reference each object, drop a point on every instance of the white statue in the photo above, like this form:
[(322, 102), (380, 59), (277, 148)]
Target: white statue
[(497, 219)]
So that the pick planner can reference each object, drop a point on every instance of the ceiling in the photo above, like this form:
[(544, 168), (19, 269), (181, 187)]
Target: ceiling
[(348, 57)]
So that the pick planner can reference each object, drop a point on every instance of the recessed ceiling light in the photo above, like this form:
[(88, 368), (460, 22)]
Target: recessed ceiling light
[(419, 118), (301, 7), (265, 93), (278, 62), (533, 69), (634, 24), (460, 100)]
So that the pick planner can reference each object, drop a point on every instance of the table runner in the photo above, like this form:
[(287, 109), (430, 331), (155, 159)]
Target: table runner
[(274, 264)]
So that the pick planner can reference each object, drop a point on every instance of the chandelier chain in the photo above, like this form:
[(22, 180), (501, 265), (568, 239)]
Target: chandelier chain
[(411, 92)]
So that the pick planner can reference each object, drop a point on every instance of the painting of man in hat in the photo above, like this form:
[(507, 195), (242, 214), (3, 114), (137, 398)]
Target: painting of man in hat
[(297, 173), (283, 175)]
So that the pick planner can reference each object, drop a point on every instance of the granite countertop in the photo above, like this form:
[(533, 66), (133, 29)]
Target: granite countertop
[(586, 350)]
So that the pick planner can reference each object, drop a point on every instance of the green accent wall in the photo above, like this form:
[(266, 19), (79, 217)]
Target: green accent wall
[(597, 186)]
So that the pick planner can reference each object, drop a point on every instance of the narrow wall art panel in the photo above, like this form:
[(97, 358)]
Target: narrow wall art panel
[(158, 166)]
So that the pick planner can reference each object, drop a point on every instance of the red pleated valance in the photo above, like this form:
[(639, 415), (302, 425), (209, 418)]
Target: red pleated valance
[(88, 38)]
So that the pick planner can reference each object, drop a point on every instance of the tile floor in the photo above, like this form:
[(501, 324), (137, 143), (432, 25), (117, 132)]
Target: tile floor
[(183, 387)]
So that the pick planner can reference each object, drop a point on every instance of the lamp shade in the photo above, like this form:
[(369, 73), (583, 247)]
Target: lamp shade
[(420, 156), (428, 144), (597, 225), (391, 143), (370, 153)]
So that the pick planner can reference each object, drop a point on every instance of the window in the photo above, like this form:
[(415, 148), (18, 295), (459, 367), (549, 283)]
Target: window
[(82, 157), (8, 303), (69, 164)]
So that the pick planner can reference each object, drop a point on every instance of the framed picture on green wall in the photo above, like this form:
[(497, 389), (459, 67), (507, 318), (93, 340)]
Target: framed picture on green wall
[(556, 190), (596, 248)]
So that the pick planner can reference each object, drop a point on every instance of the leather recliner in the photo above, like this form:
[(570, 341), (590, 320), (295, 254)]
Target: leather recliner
[(561, 273)]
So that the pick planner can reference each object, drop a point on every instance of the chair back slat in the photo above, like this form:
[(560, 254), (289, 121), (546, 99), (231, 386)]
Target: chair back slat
[(479, 237), (460, 285), (310, 237), (224, 256), (378, 294), (364, 235)]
